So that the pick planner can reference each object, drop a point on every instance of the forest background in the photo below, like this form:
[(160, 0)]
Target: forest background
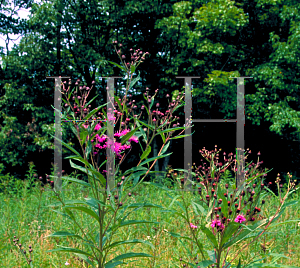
[(214, 39)]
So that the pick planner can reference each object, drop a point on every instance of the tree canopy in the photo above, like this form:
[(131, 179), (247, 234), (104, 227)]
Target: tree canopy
[(214, 39)]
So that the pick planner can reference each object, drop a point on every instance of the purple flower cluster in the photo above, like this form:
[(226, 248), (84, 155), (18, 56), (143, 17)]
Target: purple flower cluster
[(118, 147)]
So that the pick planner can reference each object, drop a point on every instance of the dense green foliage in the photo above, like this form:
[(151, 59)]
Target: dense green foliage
[(212, 39)]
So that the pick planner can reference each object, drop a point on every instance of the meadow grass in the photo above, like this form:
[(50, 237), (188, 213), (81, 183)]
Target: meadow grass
[(24, 214)]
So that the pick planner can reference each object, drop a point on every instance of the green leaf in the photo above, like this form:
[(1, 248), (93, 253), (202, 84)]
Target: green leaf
[(152, 102), (91, 101), (74, 180), (146, 152), (205, 263), (92, 202), (119, 66), (83, 134), (229, 231), (119, 104), (146, 125), (65, 144), (72, 250), (135, 177), (132, 69), (88, 149), (128, 136), (90, 114), (127, 256), (84, 170), (87, 211), (70, 213), (63, 214), (181, 136), (113, 264), (165, 148), (239, 264), (171, 129), (134, 169), (133, 82), (198, 209), (63, 234), (115, 244), (245, 234), (163, 137), (85, 258), (210, 236), (153, 158), (79, 158), (173, 200)]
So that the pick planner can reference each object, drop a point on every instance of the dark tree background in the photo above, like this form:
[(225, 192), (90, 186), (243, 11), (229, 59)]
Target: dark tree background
[(210, 39)]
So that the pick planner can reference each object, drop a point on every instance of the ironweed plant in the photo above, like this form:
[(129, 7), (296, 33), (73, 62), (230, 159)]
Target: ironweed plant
[(226, 214), (107, 208)]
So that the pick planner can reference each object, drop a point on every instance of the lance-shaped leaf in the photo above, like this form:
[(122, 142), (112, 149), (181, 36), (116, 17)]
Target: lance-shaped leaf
[(72, 250), (153, 158), (146, 152), (74, 180), (133, 82), (198, 209), (210, 236), (86, 210), (65, 144), (128, 136), (64, 234), (127, 256), (119, 66), (86, 259)]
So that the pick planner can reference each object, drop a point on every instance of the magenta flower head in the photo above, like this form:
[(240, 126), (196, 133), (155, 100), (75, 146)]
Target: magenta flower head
[(240, 219), (193, 226)]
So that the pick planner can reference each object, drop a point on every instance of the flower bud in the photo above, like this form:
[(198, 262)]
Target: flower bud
[(220, 201), (263, 201), (226, 186)]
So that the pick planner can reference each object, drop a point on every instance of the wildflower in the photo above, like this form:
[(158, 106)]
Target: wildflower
[(193, 226), (67, 263), (240, 219)]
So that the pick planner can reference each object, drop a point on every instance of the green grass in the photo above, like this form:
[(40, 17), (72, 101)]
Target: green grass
[(27, 217)]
